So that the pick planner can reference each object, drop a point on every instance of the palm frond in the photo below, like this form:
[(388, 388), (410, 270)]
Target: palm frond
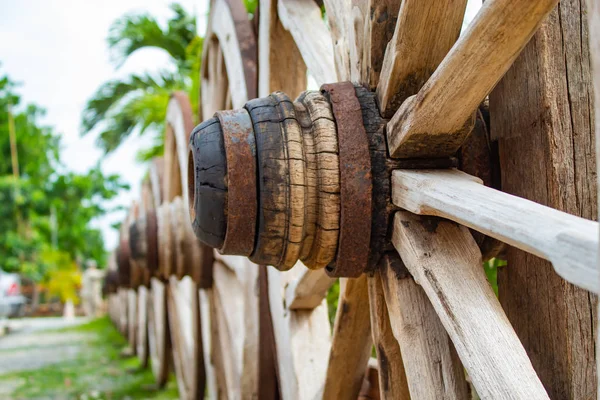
[(110, 95), (135, 31)]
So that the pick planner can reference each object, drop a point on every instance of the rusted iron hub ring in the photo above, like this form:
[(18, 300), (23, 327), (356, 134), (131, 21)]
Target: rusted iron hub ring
[(355, 182), (240, 151)]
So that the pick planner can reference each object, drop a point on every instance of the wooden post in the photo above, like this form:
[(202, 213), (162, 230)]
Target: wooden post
[(541, 114), (594, 29)]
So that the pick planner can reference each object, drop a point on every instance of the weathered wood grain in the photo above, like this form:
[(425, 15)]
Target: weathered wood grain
[(432, 367), (466, 75), (302, 18), (380, 22), (322, 179), (542, 116), (337, 15), (393, 384), (235, 324), (302, 341), (351, 341), (444, 259), (594, 29), (569, 242), (281, 64), (423, 35), (158, 331)]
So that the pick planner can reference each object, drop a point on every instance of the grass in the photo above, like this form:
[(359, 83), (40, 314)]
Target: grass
[(99, 372)]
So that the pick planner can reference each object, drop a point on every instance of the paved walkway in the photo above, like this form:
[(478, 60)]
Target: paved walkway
[(32, 344)]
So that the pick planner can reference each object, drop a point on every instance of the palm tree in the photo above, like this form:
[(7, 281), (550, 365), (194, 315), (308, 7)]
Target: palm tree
[(121, 106)]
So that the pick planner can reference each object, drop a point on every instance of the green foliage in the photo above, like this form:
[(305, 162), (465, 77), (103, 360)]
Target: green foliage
[(43, 192), (139, 102), (333, 295), (491, 271), (251, 6)]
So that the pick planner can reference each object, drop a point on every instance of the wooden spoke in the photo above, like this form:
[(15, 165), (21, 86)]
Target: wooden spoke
[(424, 33), (132, 319), (156, 174), (179, 127), (360, 31), (337, 14), (184, 320), (569, 242), (308, 290), (231, 54), (434, 122), (158, 331), (142, 326), (379, 24), (268, 385), (281, 64), (392, 375), (122, 317), (234, 302), (215, 84), (351, 342), (444, 259), (302, 18), (302, 340), (433, 370)]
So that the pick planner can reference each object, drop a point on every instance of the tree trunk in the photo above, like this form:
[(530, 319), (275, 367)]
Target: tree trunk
[(542, 116)]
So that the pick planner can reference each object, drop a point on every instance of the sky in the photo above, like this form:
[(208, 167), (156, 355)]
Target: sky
[(57, 50)]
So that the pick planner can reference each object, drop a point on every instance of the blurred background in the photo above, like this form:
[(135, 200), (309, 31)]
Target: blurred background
[(83, 93)]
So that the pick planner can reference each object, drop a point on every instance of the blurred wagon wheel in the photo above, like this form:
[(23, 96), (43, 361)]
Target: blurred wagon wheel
[(158, 328), (182, 260), (136, 281), (139, 246), (230, 305)]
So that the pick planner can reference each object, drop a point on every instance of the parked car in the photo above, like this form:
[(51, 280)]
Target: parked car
[(12, 302)]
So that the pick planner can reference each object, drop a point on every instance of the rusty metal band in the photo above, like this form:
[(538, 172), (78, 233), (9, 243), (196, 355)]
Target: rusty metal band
[(356, 183), (151, 242), (240, 151)]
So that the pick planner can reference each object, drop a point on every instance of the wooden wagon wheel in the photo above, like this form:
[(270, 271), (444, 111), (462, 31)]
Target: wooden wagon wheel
[(412, 285), (158, 328), (235, 305), (182, 267), (140, 257)]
